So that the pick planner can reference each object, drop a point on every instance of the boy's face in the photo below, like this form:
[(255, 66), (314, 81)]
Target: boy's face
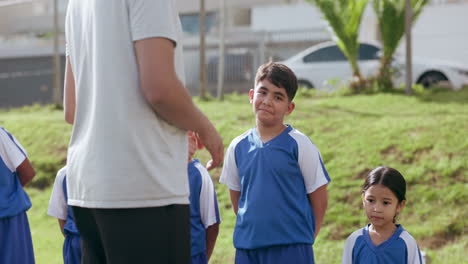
[(270, 103)]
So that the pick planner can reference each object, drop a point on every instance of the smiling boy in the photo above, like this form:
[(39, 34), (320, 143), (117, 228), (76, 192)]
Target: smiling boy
[(276, 178)]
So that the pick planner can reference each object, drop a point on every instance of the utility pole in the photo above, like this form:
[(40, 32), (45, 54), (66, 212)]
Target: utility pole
[(222, 26), (409, 70), (202, 50), (57, 87)]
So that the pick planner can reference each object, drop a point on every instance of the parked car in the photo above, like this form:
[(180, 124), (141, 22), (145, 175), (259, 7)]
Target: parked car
[(324, 66)]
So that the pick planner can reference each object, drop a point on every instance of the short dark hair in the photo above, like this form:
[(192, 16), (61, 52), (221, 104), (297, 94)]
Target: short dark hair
[(388, 177), (279, 75)]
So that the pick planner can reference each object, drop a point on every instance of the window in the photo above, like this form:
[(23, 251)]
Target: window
[(191, 22), (368, 52), (327, 54)]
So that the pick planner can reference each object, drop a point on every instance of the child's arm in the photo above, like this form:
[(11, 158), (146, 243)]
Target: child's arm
[(209, 210), (25, 172), (235, 195), (15, 157), (347, 257), (61, 225), (211, 236), (413, 254), (319, 202), (69, 102), (57, 204)]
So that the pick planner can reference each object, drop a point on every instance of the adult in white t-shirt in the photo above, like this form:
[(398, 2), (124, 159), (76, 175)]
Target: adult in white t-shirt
[(127, 158)]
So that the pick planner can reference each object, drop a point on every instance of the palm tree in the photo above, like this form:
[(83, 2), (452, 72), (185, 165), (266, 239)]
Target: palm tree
[(344, 19), (391, 20)]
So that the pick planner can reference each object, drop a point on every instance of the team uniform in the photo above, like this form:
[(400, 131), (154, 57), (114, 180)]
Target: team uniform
[(15, 235), (274, 220), (59, 209), (400, 248), (204, 210)]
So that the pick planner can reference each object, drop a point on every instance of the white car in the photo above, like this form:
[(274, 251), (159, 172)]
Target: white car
[(325, 67)]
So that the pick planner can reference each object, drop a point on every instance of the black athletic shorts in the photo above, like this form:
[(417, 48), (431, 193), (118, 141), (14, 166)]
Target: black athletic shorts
[(137, 235)]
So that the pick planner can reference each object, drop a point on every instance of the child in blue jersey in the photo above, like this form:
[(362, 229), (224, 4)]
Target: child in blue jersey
[(382, 241), (276, 178), (59, 209), (204, 212), (15, 172)]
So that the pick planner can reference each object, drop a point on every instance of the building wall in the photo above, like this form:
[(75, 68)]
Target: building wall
[(35, 16), (286, 17), (441, 33), (191, 6)]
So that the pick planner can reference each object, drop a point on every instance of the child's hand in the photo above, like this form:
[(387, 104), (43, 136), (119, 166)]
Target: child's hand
[(192, 144), (214, 144)]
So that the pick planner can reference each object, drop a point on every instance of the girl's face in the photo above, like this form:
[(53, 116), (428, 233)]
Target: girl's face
[(381, 205)]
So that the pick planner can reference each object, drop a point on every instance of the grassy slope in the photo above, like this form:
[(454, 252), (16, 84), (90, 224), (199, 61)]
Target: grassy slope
[(423, 136)]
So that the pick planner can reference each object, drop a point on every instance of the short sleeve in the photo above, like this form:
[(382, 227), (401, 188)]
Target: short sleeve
[(11, 152), (230, 173), (153, 18), (311, 164), (349, 246), (209, 210), (414, 254), (57, 205)]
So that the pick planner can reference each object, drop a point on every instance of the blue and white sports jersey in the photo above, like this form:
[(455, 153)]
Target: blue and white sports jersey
[(58, 206), (13, 199), (400, 248), (204, 210), (274, 179)]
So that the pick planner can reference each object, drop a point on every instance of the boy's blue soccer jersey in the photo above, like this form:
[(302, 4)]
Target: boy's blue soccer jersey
[(204, 210), (274, 179), (399, 248), (70, 226), (13, 199), (59, 209)]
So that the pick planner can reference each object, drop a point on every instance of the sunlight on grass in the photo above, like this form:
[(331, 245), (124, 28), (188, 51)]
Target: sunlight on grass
[(423, 136)]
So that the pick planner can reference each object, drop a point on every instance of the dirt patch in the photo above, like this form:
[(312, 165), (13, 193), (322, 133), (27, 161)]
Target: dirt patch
[(362, 174), (390, 151), (328, 129), (442, 238), (350, 199), (434, 177), (460, 176), (337, 233), (416, 156), (40, 184), (421, 153)]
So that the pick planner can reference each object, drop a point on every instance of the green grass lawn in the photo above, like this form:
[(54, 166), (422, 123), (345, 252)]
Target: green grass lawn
[(423, 136)]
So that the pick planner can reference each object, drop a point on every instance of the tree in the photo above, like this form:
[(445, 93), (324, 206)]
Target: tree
[(391, 20), (202, 79), (344, 18)]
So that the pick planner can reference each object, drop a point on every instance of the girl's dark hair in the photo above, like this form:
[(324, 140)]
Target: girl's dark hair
[(389, 178), (279, 75)]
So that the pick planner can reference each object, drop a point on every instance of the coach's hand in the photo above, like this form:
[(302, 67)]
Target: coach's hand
[(214, 144)]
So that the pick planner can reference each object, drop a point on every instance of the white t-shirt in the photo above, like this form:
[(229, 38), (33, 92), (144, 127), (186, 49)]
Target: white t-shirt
[(121, 153), (57, 204)]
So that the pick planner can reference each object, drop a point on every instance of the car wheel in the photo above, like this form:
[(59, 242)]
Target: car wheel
[(305, 84), (430, 79)]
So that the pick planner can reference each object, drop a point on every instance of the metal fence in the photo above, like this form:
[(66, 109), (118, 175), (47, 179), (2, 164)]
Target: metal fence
[(29, 80), (26, 81), (244, 52)]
